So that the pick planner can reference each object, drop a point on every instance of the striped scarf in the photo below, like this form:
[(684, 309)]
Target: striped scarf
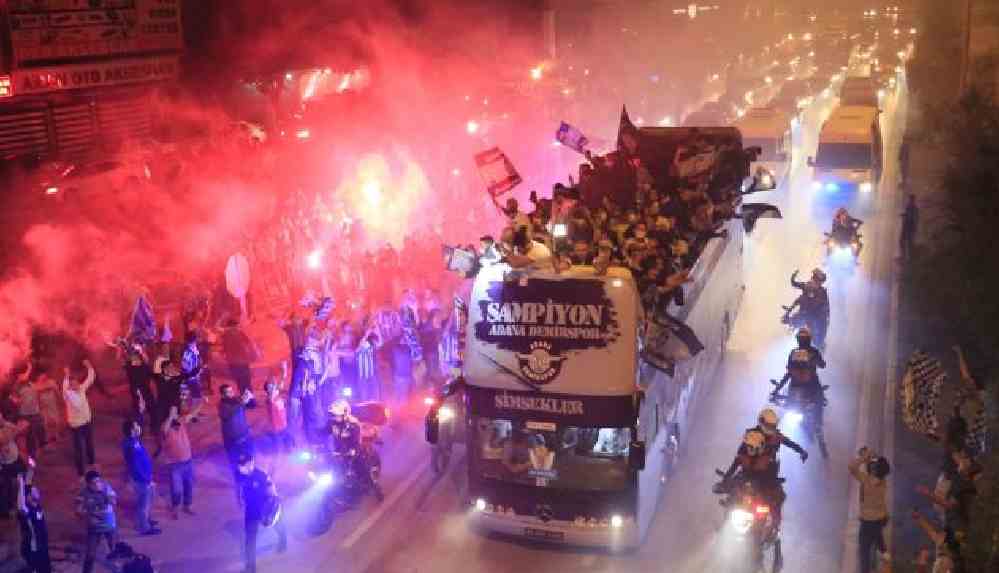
[(921, 393), (366, 361)]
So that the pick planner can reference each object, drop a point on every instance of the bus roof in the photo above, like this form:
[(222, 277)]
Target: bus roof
[(761, 122), (849, 124), (568, 333)]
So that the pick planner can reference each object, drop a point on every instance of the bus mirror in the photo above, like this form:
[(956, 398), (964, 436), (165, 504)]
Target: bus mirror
[(811, 161), (433, 427), (636, 456)]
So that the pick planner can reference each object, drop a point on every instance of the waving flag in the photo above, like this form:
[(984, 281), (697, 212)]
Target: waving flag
[(627, 134), (571, 137), (143, 326), (752, 212), (667, 341), (921, 384), (497, 171)]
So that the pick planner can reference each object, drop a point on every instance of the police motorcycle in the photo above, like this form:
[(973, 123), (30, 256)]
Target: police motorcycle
[(444, 424), (336, 473), (801, 409), (808, 310), (750, 515), (795, 318), (843, 243)]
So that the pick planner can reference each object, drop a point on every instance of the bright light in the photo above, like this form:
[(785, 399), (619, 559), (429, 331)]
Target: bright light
[(811, 54), (560, 230), (816, 185), (866, 187), (807, 37), (896, 31), (714, 77), (640, 121), (901, 54), (372, 191), (456, 172), (616, 521), (912, 31), (472, 127), (768, 79), (832, 187), (741, 520), (288, 76), (881, 94), (480, 504), (793, 418), (303, 134), (666, 121), (314, 260), (445, 414), (740, 112), (617, 283), (347, 392), (304, 456), (51, 190), (324, 479), (762, 510), (429, 401), (537, 72)]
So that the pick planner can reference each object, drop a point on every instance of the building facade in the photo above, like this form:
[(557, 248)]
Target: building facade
[(77, 77)]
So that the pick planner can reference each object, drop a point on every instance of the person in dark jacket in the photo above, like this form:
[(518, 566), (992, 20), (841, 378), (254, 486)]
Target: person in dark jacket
[(236, 436), (140, 375), (259, 496), (34, 529), (140, 471), (240, 352)]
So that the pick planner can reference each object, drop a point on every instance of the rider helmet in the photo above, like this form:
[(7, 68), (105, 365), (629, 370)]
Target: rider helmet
[(804, 336), (339, 410), (755, 442), (879, 467), (818, 276), (768, 421)]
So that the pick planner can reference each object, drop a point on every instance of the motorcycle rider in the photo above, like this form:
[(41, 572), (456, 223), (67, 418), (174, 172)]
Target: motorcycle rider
[(344, 433), (813, 303), (753, 463), (767, 425), (802, 370), (844, 227)]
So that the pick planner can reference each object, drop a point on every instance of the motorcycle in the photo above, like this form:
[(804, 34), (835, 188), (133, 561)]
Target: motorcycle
[(339, 474), (796, 320), (444, 424), (842, 243), (751, 517), (800, 409)]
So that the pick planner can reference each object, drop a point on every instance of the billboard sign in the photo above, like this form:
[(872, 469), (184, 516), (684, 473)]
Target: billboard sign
[(114, 72), (48, 32)]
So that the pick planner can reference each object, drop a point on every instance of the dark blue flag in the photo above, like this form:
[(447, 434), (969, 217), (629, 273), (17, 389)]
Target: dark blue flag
[(571, 137), (667, 341)]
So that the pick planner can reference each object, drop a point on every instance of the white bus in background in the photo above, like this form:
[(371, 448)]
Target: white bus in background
[(769, 129), (849, 153)]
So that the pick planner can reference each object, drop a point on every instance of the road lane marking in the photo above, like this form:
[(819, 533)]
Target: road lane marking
[(382, 509)]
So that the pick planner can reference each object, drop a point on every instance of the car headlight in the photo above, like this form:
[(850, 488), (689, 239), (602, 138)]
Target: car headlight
[(445, 414), (866, 187), (480, 504)]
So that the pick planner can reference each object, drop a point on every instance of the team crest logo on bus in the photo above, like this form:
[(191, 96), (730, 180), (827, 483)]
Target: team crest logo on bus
[(540, 365)]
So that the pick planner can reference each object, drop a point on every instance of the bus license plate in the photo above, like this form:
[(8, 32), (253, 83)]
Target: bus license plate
[(544, 534)]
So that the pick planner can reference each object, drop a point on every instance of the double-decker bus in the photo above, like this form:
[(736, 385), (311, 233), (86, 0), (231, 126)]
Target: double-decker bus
[(571, 433)]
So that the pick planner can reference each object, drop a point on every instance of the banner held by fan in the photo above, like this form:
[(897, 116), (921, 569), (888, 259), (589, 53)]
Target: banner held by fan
[(497, 171)]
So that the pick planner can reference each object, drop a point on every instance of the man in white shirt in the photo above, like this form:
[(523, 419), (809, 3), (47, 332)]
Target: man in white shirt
[(78, 415), (526, 253)]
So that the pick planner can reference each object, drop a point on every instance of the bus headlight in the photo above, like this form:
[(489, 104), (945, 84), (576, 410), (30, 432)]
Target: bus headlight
[(616, 521), (480, 504), (866, 187)]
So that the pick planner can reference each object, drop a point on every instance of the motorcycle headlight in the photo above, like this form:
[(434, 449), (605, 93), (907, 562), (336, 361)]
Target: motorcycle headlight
[(324, 479), (741, 520)]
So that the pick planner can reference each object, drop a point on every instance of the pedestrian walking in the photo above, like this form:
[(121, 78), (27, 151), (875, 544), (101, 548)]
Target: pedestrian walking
[(34, 530), (870, 471), (26, 397), (79, 417), (261, 508), (10, 463), (240, 352), (277, 411), (910, 223), (236, 436), (96, 504), (140, 472), (177, 454)]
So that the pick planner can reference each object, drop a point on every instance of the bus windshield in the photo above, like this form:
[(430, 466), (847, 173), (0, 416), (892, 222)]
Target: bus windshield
[(543, 454), (844, 155)]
